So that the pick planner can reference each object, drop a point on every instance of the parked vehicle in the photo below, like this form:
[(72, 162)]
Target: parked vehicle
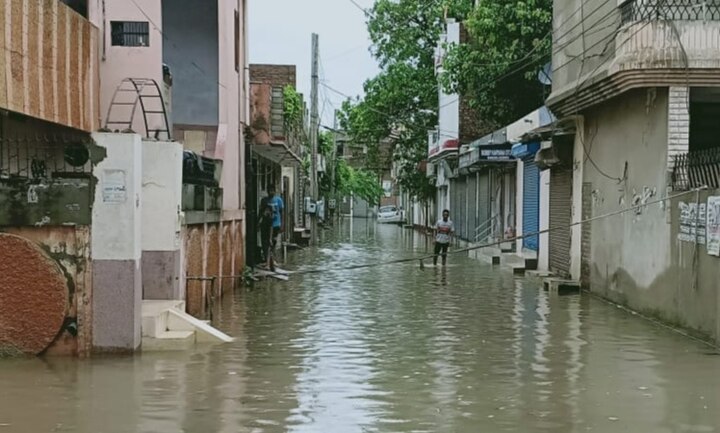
[(390, 215)]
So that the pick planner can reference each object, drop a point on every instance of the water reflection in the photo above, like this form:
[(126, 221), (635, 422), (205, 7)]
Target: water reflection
[(464, 348)]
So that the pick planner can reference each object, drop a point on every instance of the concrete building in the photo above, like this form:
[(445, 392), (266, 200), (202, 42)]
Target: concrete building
[(277, 150), (98, 216), (640, 101), (49, 87), (185, 62), (458, 125)]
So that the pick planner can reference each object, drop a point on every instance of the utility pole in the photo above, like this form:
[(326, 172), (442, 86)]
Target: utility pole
[(314, 136), (333, 166)]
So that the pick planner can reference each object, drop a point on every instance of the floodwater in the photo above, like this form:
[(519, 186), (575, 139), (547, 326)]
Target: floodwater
[(469, 348)]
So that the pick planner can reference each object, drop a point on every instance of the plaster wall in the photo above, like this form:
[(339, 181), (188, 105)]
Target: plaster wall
[(640, 262), (116, 244), (161, 204)]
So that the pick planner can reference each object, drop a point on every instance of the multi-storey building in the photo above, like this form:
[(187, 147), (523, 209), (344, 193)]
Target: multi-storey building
[(636, 86)]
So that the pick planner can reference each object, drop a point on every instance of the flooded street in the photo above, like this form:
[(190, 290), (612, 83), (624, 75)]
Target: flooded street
[(469, 348)]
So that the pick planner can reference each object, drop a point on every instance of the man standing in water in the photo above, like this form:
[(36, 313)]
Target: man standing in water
[(443, 230), (273, 205)]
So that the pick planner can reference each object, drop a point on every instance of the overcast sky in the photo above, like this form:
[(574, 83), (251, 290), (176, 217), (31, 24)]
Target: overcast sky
[(280, 33)]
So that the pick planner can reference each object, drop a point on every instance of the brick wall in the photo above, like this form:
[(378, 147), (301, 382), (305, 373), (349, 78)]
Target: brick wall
[(277, 75), (471, 126), (678, 123)]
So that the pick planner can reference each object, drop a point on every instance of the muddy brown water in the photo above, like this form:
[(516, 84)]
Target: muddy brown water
[(470, 348)]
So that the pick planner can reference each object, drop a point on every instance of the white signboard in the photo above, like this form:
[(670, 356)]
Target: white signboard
[(114, 187), (713, 226), (692, 223)]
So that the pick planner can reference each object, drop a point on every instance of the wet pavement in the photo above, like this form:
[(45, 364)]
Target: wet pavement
[(468, 348)]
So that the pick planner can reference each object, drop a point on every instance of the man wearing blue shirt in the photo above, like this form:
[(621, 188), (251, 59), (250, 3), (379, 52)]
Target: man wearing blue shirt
[(275, 203)]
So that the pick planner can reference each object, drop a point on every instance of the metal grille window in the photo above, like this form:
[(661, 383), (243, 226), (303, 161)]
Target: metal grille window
[(660, 10), (130, 33)]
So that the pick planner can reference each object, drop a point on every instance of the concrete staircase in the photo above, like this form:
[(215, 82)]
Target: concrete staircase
[(519, 262), (166, 326)]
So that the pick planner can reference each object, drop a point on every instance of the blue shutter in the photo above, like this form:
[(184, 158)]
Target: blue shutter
[(531, 203)]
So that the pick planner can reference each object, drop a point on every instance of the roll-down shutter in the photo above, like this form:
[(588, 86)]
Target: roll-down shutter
[(560, 220), (531, 203)]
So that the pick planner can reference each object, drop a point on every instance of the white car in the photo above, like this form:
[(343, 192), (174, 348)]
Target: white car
[(390, 214)]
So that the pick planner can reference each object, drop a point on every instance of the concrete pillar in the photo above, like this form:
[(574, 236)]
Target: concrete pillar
[(116, 246), (544, 240), (519, 206), (577, 190), (161, 207)]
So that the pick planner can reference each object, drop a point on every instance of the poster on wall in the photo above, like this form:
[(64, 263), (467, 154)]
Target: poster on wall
[(713, 226), (692, 222), (114, 187), (387, 188)]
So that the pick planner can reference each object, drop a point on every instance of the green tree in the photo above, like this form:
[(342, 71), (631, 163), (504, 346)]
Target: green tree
[(362, 183), (401, 102), (508, 43)]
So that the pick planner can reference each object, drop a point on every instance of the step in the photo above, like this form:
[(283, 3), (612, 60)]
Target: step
[(169, 340), (561, 286), (518, 270)]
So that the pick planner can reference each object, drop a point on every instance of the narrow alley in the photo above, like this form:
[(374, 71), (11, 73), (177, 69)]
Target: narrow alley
[(467, 348)]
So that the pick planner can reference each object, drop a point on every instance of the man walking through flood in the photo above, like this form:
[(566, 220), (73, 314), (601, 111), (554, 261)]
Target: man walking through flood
[(271, 208), (444, 229)]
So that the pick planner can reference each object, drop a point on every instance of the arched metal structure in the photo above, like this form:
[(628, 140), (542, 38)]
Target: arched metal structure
[(128, 95)]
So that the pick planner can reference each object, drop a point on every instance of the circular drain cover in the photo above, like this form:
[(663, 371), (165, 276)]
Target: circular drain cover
[(33, 297)]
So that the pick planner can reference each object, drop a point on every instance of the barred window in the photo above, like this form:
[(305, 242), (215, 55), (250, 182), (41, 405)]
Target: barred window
[(130, 33)]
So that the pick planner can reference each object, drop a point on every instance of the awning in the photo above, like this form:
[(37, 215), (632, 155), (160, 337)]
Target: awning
[(277, 152), (449, 148), (544, 133), (523, 150)]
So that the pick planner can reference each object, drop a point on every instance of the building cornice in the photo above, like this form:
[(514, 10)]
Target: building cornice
[(572, 99)]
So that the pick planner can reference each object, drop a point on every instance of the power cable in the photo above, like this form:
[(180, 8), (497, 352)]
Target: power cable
[(491, 244), (581, 84), (362, 9)]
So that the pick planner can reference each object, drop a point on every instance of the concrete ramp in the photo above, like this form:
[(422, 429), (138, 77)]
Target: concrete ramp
[(166, 326)]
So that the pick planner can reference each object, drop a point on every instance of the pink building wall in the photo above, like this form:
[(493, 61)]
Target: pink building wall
[(118, 62)]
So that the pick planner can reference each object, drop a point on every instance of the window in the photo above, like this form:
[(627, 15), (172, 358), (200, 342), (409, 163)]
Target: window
[(704, 112), (237, 41), (79, 6), (130, 33)]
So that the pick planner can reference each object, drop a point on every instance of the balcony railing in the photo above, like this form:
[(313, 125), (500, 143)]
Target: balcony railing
[(669, 10), (696, 169)]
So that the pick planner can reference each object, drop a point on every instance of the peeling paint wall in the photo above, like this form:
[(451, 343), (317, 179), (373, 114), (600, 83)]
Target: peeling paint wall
[(69, 248), (211, 250)]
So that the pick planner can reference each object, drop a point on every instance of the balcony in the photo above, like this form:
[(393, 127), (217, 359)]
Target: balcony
[(49, 64), (271, 137), (673, 10), (659, 43)]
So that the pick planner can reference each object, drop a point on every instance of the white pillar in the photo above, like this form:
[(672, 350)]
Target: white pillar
[(116, 244)]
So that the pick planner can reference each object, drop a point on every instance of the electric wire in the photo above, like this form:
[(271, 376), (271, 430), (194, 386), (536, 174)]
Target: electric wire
[(490, 244)]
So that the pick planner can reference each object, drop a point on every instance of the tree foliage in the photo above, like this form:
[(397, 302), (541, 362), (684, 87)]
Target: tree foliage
[(401, 102), (509, 41), (361, 183)]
